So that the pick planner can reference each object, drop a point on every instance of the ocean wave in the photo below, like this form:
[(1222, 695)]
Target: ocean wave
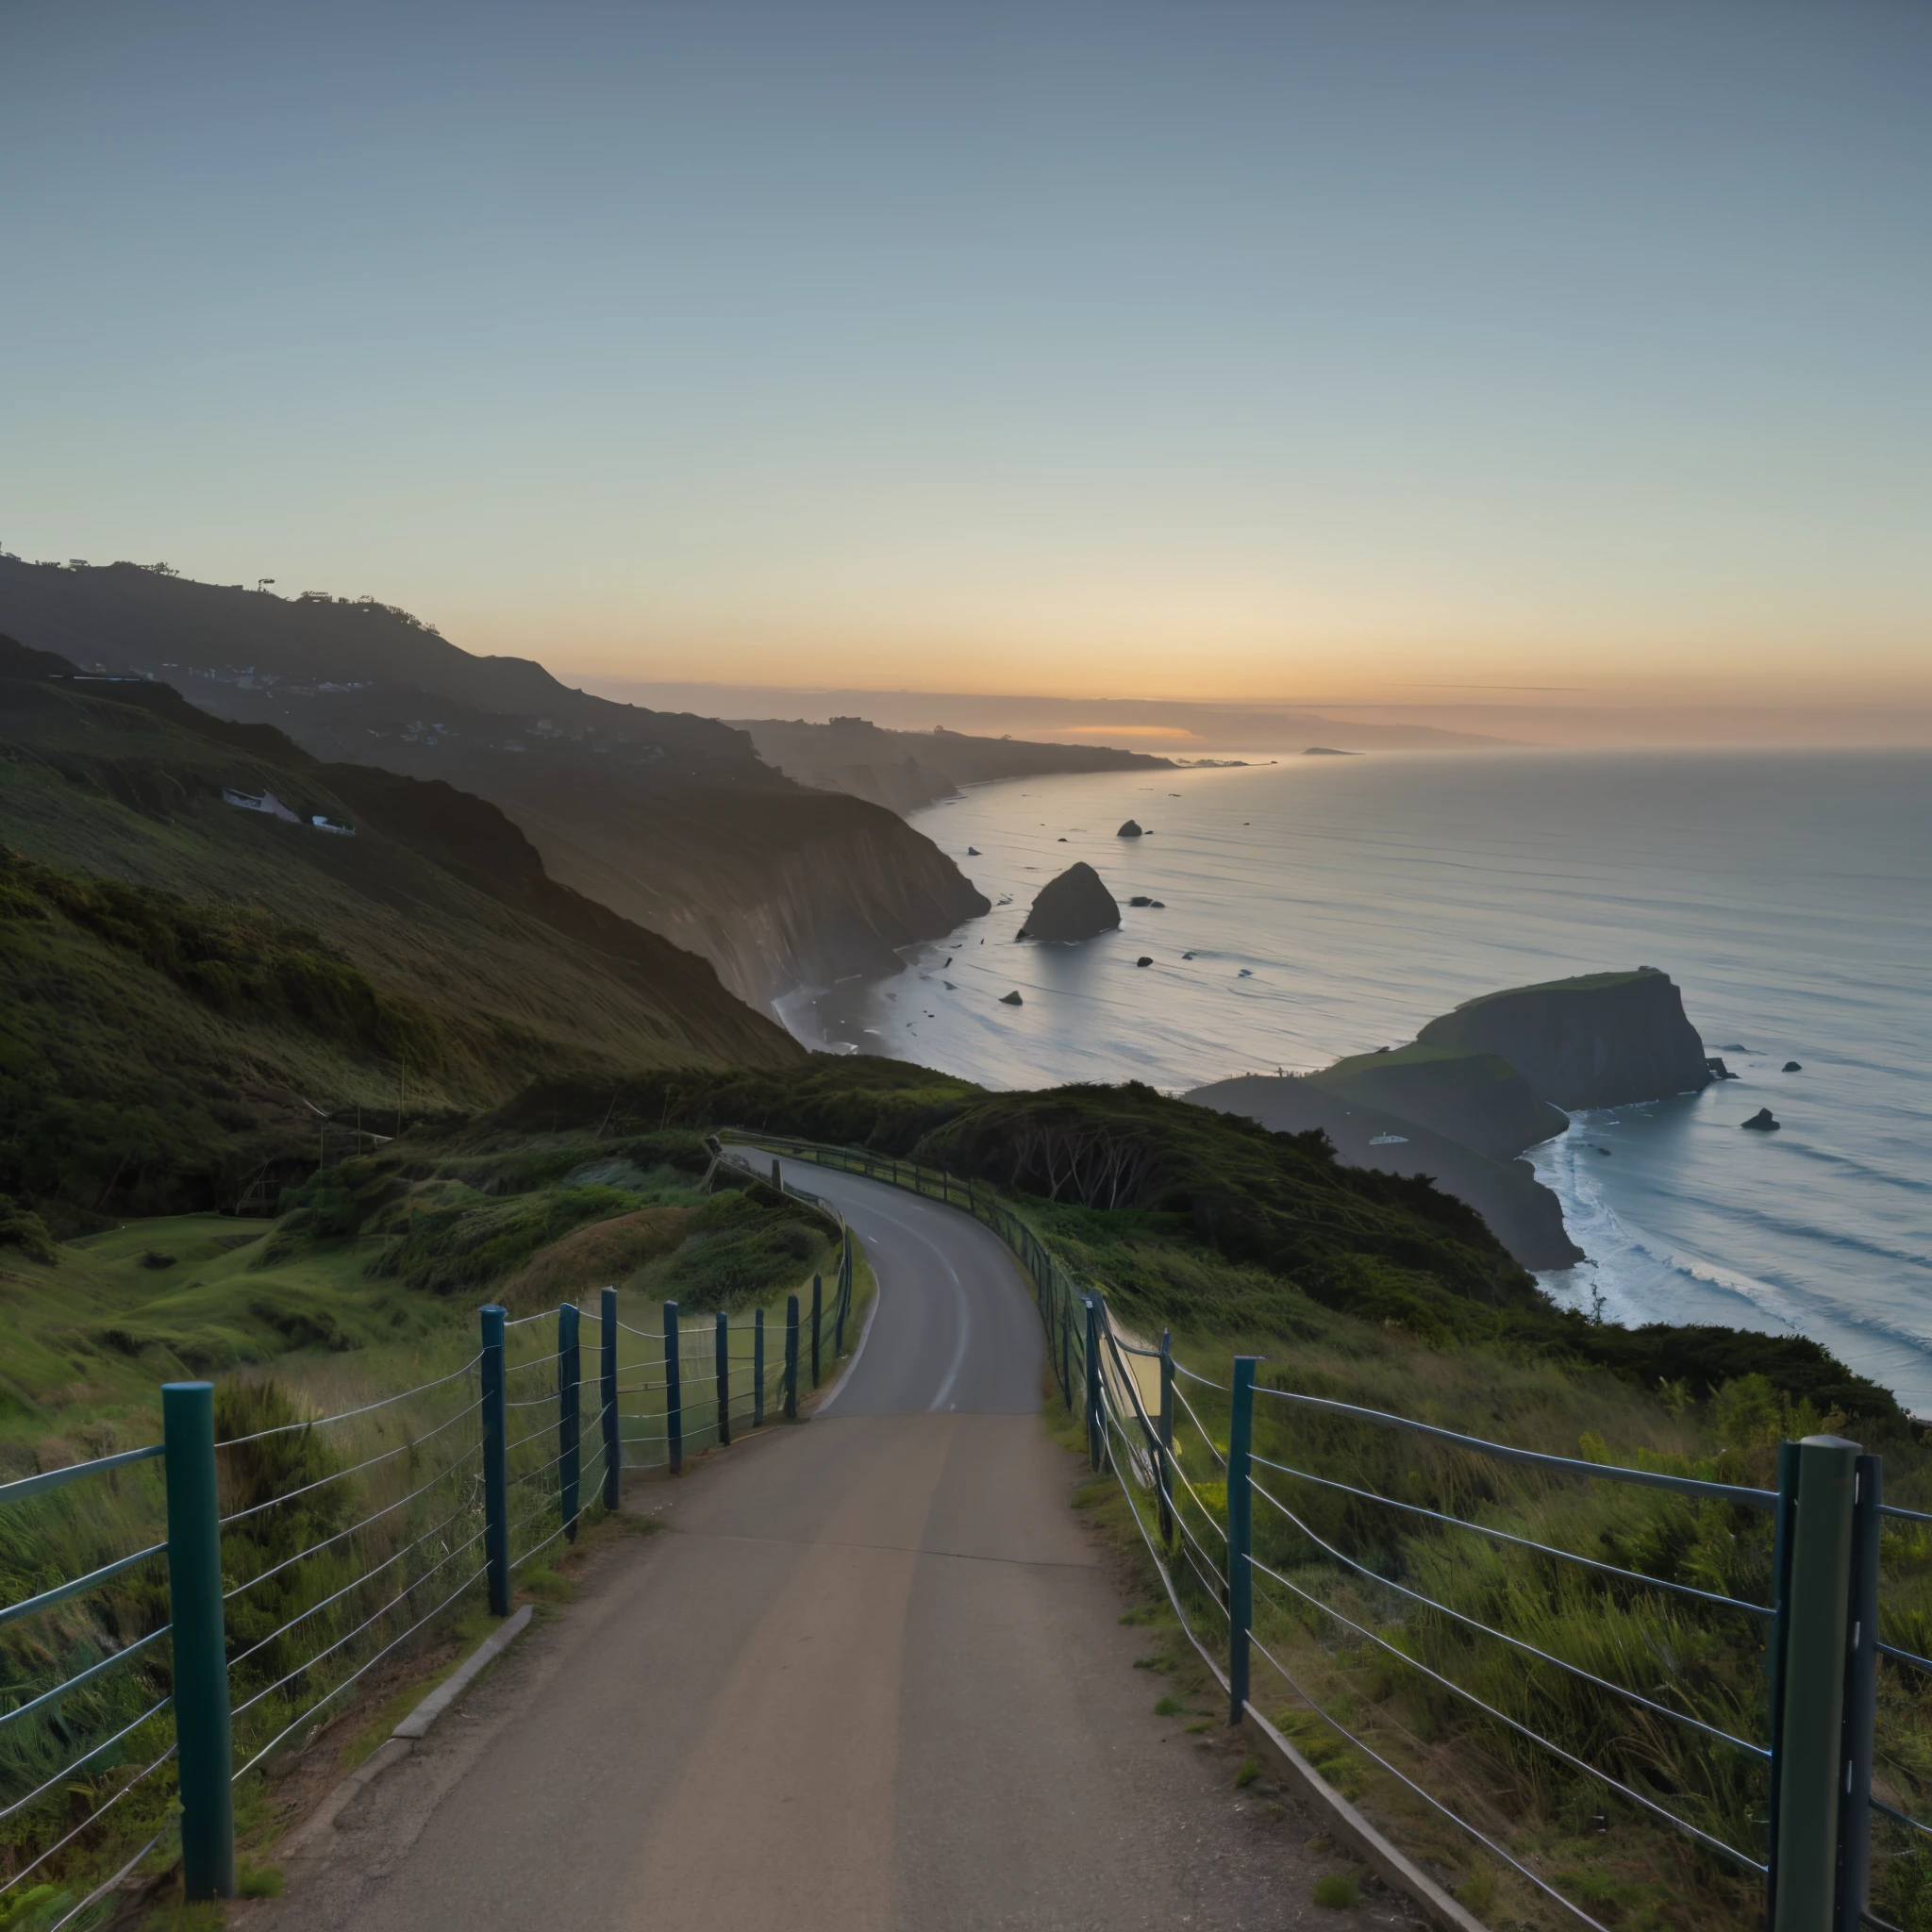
[(1635, 1277)]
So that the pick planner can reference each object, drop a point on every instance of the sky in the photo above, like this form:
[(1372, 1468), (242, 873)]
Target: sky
[(1451, 352)]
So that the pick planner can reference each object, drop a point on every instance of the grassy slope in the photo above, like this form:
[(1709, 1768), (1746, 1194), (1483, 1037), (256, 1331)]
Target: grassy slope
[(492, 975)]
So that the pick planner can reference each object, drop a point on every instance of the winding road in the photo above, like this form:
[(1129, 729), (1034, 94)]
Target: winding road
[(870, 1674)]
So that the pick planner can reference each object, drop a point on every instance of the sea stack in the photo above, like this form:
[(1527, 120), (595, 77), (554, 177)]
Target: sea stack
[(1129, 830), (1011, 999), (1763, 1122), (1076, 905), (1604, 1039)]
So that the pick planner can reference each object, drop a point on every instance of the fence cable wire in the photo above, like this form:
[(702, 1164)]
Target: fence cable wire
[(343, 1415), (68, 1768), (1683, 1824), (349, 1636), (1566, 1465), (326, 1698), (388, 1508), (1427, 1797), (355, 1583), (1200, 1426), (86, 1676), (1181, 1614), (62, 1592), (1708, 1596), (1516, 1643), (353, 1468), (108, 1884), (1900, 1817), (93, 1817)]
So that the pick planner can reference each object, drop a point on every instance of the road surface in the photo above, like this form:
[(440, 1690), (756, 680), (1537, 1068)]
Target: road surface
[(871, 1675)]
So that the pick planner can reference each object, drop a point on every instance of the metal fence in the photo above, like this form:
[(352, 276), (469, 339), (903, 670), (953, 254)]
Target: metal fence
[(1183, 1448), (490, 1468)]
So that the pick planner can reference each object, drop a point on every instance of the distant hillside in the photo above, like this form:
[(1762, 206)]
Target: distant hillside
[(1180, 726), (670, 819), (188, 984), (905, 769)]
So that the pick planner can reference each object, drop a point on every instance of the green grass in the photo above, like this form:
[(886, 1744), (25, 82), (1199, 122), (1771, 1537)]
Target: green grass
[(366, 1286), (1336, 1890)]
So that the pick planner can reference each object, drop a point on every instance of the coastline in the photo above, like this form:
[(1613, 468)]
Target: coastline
[(1369, 896)]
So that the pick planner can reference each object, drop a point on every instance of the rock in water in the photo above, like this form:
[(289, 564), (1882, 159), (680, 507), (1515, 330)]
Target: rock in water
[(1601, 1039), (1793, 1067), (1129, 830), (1076, 906), (974, 851), (1011, 999), (1763, 1122), (1717, 1069), (1140, 899), (1145, 960)]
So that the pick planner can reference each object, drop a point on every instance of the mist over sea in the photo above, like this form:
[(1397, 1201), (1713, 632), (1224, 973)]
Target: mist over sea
[(1333, 905)]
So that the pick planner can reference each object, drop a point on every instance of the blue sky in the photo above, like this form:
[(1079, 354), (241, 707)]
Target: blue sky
[(1264, 350)]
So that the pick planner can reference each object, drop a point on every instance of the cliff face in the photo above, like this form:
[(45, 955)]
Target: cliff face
[(825, 888), (1604, 1039), (671, 820)]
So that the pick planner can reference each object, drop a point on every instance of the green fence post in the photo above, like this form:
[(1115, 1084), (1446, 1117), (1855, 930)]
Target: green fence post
[(203, 1742), (1094, 1443), (674, 1391), (1241, 1529), (606, 1393), (495, 1464), (1809, 1767), (570, 1370), (777, 1179), (791, 1357), (721, 1355), (1862, 1698), (817, 1309), (1166, 1452), (758, 1369)]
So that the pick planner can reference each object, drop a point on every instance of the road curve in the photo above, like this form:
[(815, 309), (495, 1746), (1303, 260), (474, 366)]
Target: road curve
[(871, 1675)]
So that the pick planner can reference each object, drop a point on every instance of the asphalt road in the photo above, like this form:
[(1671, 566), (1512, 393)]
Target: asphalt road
[(870, 1674)]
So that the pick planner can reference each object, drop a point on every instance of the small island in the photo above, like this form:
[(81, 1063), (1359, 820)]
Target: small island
[(1073, 906)]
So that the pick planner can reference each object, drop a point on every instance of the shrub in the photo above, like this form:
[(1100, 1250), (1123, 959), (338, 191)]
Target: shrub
[(1337, 1890)]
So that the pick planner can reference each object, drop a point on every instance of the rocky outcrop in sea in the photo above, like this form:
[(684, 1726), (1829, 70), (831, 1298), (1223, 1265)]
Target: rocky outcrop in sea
[(1076, 906)]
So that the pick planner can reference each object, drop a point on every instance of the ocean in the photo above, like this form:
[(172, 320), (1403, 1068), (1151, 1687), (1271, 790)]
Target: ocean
[(1316, 906)]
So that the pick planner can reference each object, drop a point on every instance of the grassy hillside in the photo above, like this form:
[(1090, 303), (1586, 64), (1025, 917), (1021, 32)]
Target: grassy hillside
[(670, 819), (186, 987), (371, 1262)]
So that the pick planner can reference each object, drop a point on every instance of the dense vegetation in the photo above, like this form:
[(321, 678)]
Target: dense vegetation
[(367, 1282), (1160, 1186)]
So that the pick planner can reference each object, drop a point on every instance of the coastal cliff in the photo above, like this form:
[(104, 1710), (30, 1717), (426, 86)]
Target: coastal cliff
[(1601, 1039), (671, 820), (1520, 1211), (830, 888)]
